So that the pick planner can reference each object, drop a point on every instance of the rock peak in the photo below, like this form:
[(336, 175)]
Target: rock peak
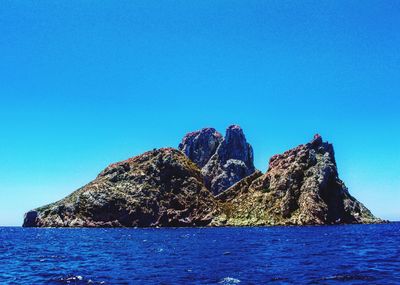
[(149, 190), (224, 161), (317, 136), (234, 132), (200, 146), (301, 187), (234, 127), (235, 146), (317, 140)]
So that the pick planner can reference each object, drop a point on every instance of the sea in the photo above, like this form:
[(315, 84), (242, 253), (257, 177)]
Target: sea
[(348, 254)]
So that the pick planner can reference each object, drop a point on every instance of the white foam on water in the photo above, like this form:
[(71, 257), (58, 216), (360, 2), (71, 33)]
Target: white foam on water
[(229, 280)]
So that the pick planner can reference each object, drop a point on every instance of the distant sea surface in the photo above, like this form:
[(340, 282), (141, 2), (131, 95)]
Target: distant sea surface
[(353, 254)]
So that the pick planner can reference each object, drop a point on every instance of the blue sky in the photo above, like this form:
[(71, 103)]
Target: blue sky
[(87, 83)]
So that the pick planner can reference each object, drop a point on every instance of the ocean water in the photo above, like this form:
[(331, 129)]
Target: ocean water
[(353, 254)]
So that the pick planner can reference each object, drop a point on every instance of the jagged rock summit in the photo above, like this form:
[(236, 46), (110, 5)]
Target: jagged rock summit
[(201, 145), (223, 161), (158, 188), (167, 188), (301, 187)]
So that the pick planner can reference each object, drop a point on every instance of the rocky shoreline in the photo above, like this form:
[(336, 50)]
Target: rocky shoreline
[(210, 180)]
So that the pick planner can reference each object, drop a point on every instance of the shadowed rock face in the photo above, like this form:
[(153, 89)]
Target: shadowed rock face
[(158, 188), (200, 146), (235, 146), (224, 161), (31, 219), (232, 162), (301, 187)]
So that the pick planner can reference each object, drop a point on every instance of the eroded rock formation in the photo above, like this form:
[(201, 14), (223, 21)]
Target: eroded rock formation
[(301, 187), (159, 188), (164, 188), (201, 145), (223, 161)]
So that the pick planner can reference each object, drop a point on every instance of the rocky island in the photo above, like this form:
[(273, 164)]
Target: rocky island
[(210, 180)]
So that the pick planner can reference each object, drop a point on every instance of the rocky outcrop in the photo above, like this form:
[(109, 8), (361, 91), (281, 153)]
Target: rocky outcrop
[(159, 188), (301, 187), (31, 219), (224, 161), (164, 188), (201, 145)]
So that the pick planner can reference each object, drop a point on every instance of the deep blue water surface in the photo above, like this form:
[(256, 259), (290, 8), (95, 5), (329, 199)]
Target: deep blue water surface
[(356, 254)]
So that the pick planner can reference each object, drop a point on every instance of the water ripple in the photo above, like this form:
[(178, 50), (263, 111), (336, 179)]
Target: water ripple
[(355, 254)]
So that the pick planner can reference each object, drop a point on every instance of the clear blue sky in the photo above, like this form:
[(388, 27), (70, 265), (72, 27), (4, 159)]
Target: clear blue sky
[(87, 83)]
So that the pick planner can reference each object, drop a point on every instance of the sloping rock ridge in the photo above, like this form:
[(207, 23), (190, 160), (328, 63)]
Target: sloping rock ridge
[(301, 187), (223, 161), (159, 188)]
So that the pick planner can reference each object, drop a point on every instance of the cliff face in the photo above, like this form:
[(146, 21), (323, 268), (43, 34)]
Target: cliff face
[(301, 187), (201, 145), (223, 161), (165, 188), (158, 188)]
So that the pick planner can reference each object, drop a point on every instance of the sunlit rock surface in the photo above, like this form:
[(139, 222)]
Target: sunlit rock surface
[(301, 187), (158, 188)]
